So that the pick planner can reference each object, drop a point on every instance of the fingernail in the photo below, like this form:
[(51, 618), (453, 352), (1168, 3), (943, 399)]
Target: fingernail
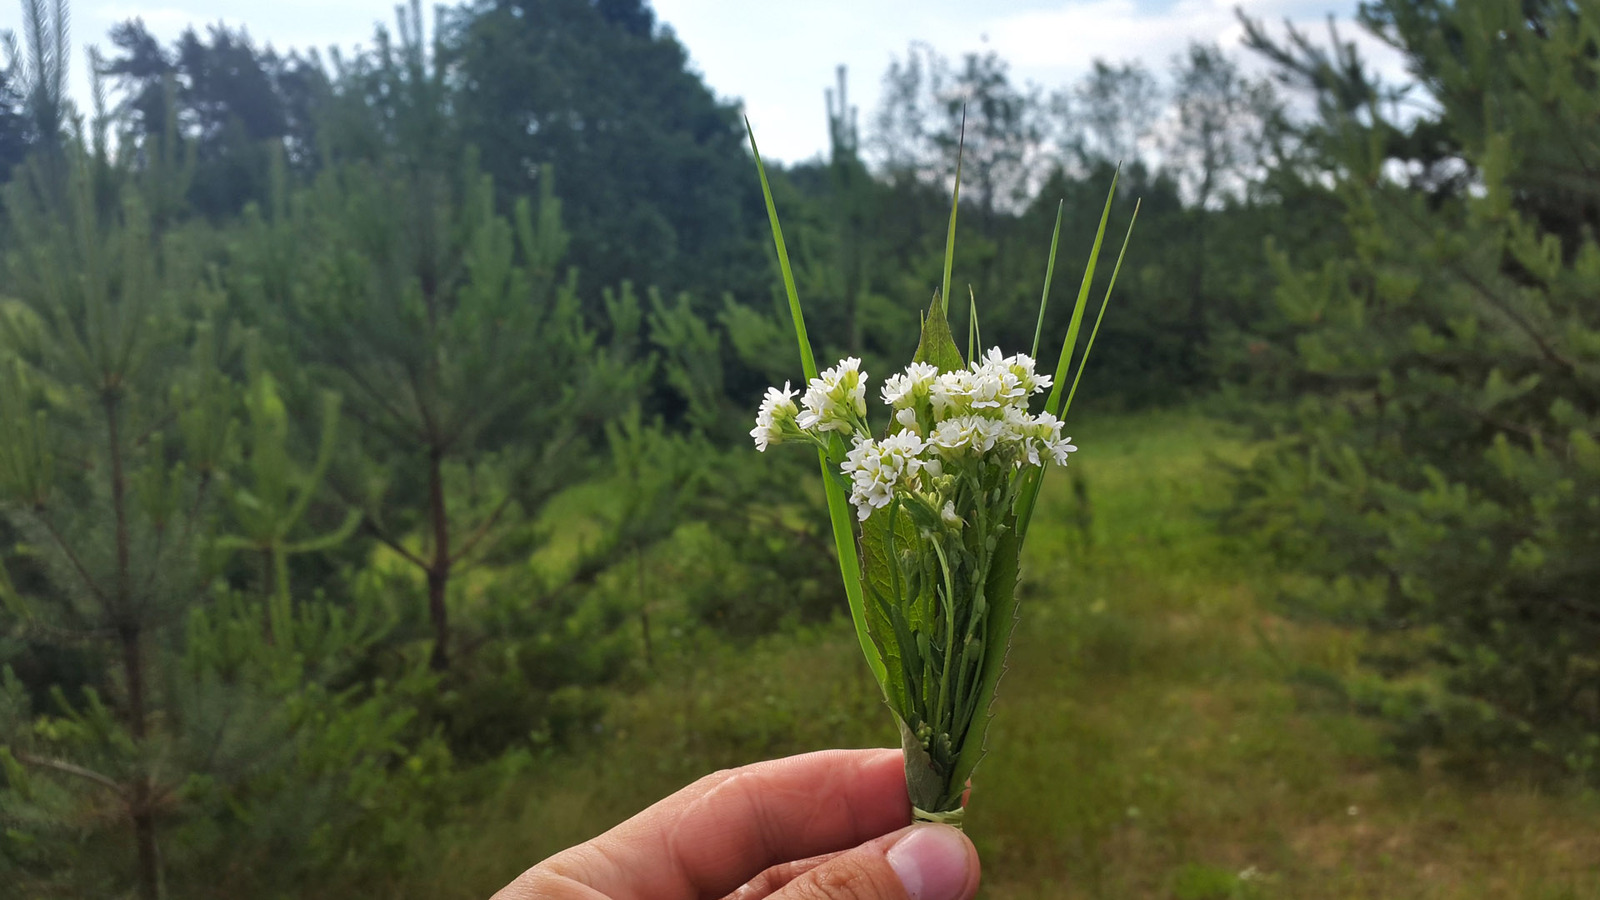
[(932, 862)]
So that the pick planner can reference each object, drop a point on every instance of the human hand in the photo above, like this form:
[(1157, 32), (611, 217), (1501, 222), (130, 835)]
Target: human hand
[(832, 825)]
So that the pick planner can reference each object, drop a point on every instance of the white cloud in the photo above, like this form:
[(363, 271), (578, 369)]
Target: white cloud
[(781, 61), (159, 19)]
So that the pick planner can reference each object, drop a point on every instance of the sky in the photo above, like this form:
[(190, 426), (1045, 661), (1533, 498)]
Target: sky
[(780, 57)]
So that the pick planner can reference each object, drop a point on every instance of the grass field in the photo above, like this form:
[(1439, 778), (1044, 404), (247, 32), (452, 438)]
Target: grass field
[(1149, 742)]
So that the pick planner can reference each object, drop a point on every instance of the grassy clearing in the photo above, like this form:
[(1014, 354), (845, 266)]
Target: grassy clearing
[(1148, 740)]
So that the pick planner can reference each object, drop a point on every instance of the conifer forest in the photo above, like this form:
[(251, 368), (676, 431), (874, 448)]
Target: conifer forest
[(379, 513)]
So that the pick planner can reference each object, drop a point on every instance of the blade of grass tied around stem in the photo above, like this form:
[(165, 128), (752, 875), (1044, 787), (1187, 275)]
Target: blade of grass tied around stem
[(942, 490)]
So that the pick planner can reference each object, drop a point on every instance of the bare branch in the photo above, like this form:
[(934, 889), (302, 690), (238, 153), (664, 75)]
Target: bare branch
[(392, 544), (67, 768), (72, 557)]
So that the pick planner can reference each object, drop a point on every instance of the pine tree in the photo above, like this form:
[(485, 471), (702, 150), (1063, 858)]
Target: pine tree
[(95, 478), (164, 697), (1441, 379), (37, 69), (474, 379)]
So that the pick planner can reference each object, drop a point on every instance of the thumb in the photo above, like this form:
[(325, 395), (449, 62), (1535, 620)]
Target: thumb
[(923, 862)]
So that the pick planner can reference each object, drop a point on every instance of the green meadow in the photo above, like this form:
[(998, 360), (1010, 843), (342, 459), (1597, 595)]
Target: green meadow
[(1150, 740), (379, 512)]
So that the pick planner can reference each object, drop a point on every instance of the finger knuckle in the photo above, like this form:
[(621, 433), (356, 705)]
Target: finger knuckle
[(539, 883), (846, 880)]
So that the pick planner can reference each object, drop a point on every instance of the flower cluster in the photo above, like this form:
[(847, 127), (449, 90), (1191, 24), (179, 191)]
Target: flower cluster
[(972, 417)]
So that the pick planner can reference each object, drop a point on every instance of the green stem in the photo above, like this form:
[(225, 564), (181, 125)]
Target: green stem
[(949, 611)]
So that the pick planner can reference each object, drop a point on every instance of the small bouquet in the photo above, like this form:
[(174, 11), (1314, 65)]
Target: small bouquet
[(942, 494)]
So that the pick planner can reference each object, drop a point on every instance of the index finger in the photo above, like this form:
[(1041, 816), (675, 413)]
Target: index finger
[(725, 829)]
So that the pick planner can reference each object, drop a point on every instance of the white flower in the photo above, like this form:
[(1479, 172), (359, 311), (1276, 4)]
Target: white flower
[(1042, 434), (877, 468), (907, 419), (902, 445), (777, 410), (951, 394), (949, 515), (836, 399), (965, 433), (1047, 432), (988, 388), (1018, 429), (905, 389), (1057, 446), (988, 434), (1020, 368)]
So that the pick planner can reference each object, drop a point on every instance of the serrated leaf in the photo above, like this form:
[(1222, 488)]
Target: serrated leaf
[(1001, 591), (886, 591), (924, 785)]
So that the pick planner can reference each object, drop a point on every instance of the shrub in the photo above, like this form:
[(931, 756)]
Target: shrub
[(1439, 382)]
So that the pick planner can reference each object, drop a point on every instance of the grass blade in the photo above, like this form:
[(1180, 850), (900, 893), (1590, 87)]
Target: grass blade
[(1070, 343), (955, 203), (1115, 270), (1029, 495), (1049, 274), (972, 324), (844, 538), (808, 362)]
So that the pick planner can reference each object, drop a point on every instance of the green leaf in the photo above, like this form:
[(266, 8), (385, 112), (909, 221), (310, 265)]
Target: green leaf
[(926, 788), (886, 594), (1001, 591), (938, 345)]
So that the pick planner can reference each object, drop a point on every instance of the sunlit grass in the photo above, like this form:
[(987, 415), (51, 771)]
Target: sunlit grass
[(1149, 742)]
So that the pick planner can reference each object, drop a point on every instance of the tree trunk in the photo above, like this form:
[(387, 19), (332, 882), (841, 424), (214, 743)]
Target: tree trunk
[(130, 631), (439, 567), (144, 829), (1197, 301)]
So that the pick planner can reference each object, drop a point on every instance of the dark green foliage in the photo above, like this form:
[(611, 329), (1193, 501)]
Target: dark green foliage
[(1441, 381), (474, 378), (463, 357), (230, 106), (36, 72), (650, 164), (13, 124), (158, 746)]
